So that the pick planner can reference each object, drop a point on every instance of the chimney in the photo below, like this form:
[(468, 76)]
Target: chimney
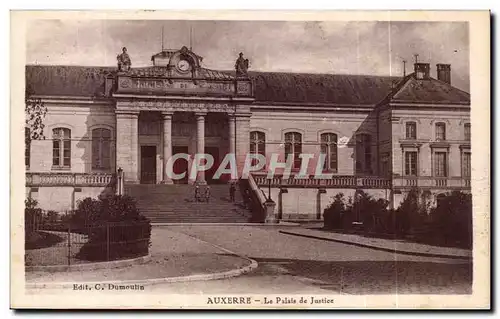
[(422, 71), (444, 72)]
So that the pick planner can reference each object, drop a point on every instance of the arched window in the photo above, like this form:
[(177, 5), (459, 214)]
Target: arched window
[(293, 145), (363, 154), (329, 148), (411, 130), (440, 131), (61, 148), (27, 147), (257, 144), (101, 148)]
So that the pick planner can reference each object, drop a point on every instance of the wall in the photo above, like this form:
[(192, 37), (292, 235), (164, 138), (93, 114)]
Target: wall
[(276, 123), (302, 203), (426, 120), (80, 119), (60, 199), (385, 140)]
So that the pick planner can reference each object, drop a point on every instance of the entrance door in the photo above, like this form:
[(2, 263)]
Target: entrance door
[(181, 164), (148, 164), (214, 151)]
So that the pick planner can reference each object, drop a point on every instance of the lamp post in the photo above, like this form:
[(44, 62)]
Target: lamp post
[(269, 190), (120, 181)]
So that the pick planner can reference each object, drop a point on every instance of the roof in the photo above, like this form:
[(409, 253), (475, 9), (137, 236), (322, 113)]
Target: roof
[(67, 80), (321, 88), (429, 91), (270, 87)]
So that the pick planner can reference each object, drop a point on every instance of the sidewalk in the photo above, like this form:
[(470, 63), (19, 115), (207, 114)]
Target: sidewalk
[(174, 257), (390, 245)]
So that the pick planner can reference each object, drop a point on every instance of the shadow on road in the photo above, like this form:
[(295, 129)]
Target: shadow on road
[(375, 277)]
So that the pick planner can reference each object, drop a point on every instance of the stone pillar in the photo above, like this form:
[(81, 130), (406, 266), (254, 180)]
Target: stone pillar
[(318, 202), (167, 145), (232, 137), (127, 152), (232, 140), (200, 143), (242, 140), (269, 206)]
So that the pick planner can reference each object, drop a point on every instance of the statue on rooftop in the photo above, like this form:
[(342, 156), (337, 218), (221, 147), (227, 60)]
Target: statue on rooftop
[(124, 61), (241, 66)]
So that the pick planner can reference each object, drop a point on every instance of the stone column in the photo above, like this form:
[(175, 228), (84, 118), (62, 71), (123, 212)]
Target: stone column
[(232, 137), (242, 140), (127, 145), (318, 202), (200, 143), (167, 145)]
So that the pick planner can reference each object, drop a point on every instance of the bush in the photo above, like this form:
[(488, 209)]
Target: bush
[(452, 218), (87, 212), (32, 216), (333, 213), (114, 219), (372, 212), (412, 213), (51, 217)]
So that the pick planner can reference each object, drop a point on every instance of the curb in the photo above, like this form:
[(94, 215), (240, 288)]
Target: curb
[(201, 277), (92, 266), (402, 252), (153, 281)]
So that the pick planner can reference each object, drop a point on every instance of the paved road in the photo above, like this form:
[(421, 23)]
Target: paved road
[(289, 264)]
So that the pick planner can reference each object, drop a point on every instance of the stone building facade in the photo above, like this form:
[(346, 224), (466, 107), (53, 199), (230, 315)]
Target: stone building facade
[(378, 133)]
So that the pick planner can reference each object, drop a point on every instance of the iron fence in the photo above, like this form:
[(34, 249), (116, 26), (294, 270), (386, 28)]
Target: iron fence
[(66, 243)]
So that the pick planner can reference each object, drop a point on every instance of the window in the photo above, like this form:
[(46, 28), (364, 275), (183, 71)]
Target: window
[(467, 131), (61, 148), (440, 131), (101, 148), (440, 164), (257, 144), (411, 159), (27, 147), (466, 164), (329, 148), (293, 145), (363, 154), (411, 130)]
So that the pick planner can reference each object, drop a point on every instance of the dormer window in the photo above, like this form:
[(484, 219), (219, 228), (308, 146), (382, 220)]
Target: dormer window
[(422, 70)]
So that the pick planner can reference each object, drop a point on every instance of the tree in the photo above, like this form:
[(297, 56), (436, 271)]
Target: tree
[(452, 218), (413, 210), (35, 111)]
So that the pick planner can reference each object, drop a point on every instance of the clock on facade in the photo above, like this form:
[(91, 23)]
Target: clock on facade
[(183, 65)]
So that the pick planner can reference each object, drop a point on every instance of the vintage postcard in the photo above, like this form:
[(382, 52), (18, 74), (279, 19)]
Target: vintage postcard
[(250, 160)]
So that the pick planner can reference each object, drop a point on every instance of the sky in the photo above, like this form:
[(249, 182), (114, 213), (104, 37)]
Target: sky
[(338, 47)]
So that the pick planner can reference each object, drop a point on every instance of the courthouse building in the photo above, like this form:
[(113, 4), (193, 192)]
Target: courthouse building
[(381, 134)]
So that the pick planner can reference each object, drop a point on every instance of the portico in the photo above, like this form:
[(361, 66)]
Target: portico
[(178, 107), (149, 136)]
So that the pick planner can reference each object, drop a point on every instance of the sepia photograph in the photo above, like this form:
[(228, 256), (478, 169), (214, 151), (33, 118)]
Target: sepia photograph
[(252, 161)]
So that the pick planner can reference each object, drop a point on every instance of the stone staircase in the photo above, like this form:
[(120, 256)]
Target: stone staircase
[(176, 204)]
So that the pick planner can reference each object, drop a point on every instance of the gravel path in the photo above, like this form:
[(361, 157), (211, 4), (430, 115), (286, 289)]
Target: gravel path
[(173, 254)]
